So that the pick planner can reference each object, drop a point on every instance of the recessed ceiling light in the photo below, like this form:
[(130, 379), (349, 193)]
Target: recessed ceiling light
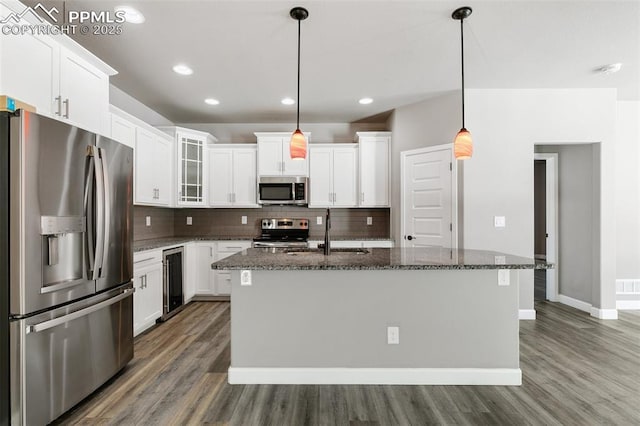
[(365, 101), (182, 69), (211, 101), (130, 14), (288, 101), (610, 69)]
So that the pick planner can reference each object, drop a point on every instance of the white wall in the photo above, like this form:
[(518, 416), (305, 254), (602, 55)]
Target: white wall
[(136, 108), (431, 122), (320, 132), (628, 190), (498, 180)]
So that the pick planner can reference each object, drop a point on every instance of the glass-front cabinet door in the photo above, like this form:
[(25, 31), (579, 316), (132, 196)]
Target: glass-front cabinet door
[(191, 167)]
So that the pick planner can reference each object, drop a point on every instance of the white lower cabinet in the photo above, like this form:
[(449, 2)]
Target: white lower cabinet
[(147, 299), (201, 279), (222, 278), (205, 255)]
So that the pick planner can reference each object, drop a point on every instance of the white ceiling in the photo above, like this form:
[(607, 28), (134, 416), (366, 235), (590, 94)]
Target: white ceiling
[(397, 52)]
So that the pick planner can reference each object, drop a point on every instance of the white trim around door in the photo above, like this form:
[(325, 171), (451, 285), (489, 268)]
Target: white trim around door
[(551, 191)]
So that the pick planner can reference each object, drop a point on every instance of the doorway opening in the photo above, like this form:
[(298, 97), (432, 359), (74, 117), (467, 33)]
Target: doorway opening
[(546, 224)]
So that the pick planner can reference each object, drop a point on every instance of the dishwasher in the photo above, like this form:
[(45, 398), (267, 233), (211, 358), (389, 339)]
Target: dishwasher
[(172, 279)]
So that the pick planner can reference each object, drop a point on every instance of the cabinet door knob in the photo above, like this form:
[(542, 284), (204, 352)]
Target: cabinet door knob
[(66, 108)]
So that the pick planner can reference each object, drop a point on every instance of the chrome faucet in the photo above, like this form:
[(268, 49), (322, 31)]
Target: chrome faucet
[(327, 239)]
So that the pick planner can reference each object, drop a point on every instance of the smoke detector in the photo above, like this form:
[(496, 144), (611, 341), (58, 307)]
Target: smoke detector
[(609, 69)]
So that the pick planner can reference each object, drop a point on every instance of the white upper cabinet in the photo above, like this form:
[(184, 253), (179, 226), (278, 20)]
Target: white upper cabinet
[(334, 175), (123, 130), (245, 177), (57, 76), (274, 158), (29, 77), (221, 177), (232, 176), (192, 165), (84, 93), (374, 168), (152, 176), (153, 152)]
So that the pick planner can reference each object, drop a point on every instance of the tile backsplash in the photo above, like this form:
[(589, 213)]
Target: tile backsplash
[(161, 222), (345, 223)]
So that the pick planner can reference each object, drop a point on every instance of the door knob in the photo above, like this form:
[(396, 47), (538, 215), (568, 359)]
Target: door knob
[(409, 237)]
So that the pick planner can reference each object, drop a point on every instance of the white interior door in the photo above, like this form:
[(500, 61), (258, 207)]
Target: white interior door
[(427, 197)]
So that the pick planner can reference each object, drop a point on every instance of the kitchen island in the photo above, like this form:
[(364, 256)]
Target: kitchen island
[(377, 316)]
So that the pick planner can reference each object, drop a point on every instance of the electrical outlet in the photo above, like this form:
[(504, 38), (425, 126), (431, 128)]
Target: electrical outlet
[(147, 220), (245, 277), (499, 221), (393, 335), (318, 220), (244, 220), (189, 220), (369, 220), (499, 260)]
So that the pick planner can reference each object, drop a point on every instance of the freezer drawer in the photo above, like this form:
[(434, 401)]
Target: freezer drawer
[(60, 357)]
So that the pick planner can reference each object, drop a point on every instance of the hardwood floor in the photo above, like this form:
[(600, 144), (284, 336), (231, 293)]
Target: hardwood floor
[(577, 370)]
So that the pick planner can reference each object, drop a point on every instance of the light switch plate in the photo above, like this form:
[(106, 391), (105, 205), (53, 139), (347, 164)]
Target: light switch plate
[(499, 221), (245, 277), (189, 220), (147, 220), (503, 277), (244, 220), (393, 335), (369, 220), (318, 220)]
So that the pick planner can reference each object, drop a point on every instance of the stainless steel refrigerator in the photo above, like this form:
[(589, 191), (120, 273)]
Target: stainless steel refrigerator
[(66, 227)]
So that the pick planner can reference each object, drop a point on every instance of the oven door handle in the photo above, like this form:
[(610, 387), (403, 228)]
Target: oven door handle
[(46, 325)]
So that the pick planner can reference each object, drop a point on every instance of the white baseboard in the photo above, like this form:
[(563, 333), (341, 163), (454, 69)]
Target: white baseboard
[(574, 303), (586, 307), (611, 314), (629, 305), (527, 314), (376, 376)]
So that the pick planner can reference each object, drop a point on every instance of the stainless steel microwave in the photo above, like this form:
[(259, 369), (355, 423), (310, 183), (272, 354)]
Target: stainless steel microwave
[(283, 190)]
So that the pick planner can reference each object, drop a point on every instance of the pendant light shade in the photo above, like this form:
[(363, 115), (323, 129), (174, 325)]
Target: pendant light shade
[(462, 144), (298, 143)]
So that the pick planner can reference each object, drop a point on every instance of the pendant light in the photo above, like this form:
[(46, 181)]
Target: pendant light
[(298, 144), (462, 144)]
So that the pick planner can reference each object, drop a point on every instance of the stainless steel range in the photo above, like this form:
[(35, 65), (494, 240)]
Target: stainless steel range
[(283, 232)]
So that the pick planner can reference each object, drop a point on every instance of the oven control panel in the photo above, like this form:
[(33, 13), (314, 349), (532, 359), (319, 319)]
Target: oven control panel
[(285, 223)]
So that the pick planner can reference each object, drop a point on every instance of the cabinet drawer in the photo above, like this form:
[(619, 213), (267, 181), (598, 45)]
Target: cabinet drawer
[(144, 258), (227, 248)]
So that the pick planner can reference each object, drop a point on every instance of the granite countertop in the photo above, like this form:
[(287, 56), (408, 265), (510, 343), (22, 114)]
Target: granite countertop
[(156, 243), (378, 258)]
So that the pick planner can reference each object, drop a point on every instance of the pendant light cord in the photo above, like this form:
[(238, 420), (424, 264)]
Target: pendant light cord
[(298, 100), (462, 56)]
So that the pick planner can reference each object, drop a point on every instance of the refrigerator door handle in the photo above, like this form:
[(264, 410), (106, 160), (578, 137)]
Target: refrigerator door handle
[(106, 205), (99, 213), (89, 213), (45, 325)]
